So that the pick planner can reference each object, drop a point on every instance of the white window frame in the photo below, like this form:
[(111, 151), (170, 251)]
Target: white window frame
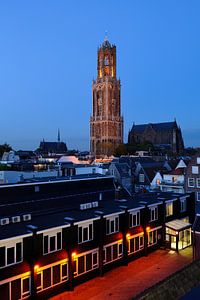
[(141, 245), (141, 178), (135, 213), (50, 234), (120, 254), (198, 182), (151, 232), (155, 209), (169, 209), (84, 226), (28, 293), (63, 278), (189, 183), (195, 170), (94, 266), (116, 224), (21, 277), (12, 244)]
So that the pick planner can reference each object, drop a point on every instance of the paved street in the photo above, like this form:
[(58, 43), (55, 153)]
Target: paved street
[(125, 282)]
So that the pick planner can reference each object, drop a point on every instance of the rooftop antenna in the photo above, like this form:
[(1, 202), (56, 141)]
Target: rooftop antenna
[(106, 36)]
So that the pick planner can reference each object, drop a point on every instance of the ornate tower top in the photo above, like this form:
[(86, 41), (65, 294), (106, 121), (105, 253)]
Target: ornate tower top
[(106, 62)]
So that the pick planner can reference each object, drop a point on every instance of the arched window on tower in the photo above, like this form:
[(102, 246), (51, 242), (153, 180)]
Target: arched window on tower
[(106, 60), (113, 107), (99, 103)]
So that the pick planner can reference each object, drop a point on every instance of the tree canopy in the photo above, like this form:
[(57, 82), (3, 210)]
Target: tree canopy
[(4, 148)]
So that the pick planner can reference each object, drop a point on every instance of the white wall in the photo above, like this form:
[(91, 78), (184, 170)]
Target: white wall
[(14, 176)]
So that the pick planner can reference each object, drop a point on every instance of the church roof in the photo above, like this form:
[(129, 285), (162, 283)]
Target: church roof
[(56, 147), (156, 126)]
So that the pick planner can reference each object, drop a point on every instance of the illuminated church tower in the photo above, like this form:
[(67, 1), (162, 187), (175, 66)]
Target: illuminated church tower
[(106, 122)]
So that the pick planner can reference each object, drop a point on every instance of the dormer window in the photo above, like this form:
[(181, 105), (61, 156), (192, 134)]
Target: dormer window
[(52, 242), (112, 224), (85, 232), (11, 253), (153, 213), (134, 218)]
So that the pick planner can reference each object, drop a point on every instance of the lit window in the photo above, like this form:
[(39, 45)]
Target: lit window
[(195, 170), (112, 252), (153, 213), (86, 262), (152, 237), (141, 177), (169, 209), (134, 219), (11, 253), (51, 275), (198, 160), (112, 225), (52, 242), (85, 232), (135, 243), (190, 182), (26, 283)]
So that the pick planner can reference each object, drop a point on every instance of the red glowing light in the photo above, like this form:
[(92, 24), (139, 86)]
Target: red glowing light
[(36, 267), (73, 254)]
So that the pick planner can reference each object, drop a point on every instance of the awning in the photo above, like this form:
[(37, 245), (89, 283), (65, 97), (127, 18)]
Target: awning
[(178, 225)]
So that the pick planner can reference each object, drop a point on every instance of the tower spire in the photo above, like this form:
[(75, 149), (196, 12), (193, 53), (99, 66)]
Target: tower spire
[(106, 36), (58, 135)]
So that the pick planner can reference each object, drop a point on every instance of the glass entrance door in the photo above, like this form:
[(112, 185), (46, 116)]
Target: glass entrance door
[(173, 242), (184, 239)]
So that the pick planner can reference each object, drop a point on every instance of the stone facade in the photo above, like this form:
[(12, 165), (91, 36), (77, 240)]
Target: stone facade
[(106, 122), (164, 136)]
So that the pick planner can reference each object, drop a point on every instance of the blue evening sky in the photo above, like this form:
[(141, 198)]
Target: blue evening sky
[(48, 60)]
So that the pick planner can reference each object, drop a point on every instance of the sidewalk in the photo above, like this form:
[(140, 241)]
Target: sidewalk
[(125, 282)]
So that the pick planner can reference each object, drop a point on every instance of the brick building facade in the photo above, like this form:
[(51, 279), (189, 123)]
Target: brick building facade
[(56, 234)]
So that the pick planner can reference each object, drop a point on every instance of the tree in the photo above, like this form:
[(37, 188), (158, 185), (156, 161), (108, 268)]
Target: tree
[(121, 150), (4, 148)]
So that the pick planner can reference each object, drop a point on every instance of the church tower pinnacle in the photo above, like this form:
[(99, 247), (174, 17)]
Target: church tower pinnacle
[(106, 122)]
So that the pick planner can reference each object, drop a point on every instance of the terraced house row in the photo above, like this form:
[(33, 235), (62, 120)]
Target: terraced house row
[(56, 234)]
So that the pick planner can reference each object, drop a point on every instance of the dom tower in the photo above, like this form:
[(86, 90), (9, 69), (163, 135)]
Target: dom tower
[(106, 122)]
